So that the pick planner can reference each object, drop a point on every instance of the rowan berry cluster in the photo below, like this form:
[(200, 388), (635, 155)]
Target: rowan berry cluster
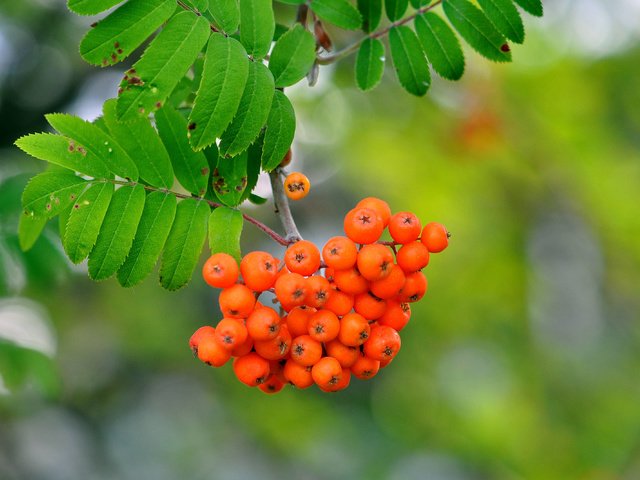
[(338, 312)]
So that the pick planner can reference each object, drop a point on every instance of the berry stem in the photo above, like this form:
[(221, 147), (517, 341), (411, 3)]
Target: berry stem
[(282, 207), (340, 54)]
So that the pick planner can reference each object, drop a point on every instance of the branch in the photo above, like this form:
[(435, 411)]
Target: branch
[(340, 54), (282, 207), (274, 235)]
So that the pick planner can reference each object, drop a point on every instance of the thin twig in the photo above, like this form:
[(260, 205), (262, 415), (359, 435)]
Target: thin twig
[(282, 207), (334, 57)]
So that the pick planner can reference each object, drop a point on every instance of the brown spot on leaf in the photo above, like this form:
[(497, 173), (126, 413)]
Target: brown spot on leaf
[(191, 126), (204, 171), (116, 45), (505, 48), (94, 24)]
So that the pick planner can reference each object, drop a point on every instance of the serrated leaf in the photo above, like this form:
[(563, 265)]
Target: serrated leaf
[(395, 9), (476, 29), (417, 4), (505, 17), (115, 37), (369, 64), (153, 230), (147, 85), (226, 14), (63, 218), (409, 61), (230, 179), (184, 244), (95, 141), (257, 25), (85, 220), (190, 167), (441, 45), (257, 199), (48, 193), (29, 229), (91, 7), (338, 12), (117, 232), (534, 7), (141, 142), (292, 56), (371, 11), (225, 228), (254, 164), (65, 152), (252, 113), (281, 128), (226, 68), (279, 31)]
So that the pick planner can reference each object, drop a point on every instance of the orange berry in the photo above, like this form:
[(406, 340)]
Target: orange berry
[(259, 270), (350, 281), (212, 353), (302, 257), (230, 333), (306, 350), (365, 368), (298, 320), (414, 287), (404, 227), (329, 274), (286, 160), (236, 301), (263, 324), (291, 290), (383, 343), (272, 385), (220, 270), (390, 286), (384, 363), (251, 369), (198, 335), (435, 237), (243, 348), (375, 262), (298, 375), (413, 256), (369, 306), (340, 253), (327, 372), (354, 330), (296, 186), (379, 206), (275, 348), (339, 302), (276, 368), (396, 315), (363, 225), (324, 325), (346, 355), (343, 383), (318, 291)]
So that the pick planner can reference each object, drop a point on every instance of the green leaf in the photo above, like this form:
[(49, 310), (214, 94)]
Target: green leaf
[(441, 45), (230, 179), (184, 244), (29, 229), (417, 4), (281, 127), (226, 14), (338, 12), (190, 167), (257, 25), (225, 228), (279, 31), (63, 218), (534, 7), (369, 64), (254, 163), (226, 68), (395, 9), (96, 141), (48, 193), (146, 86), (153, 230), (257, 199), (115, 37), (371, 11), (85, 220), (504, 15), (200, 5), (252, 113), (64, 152), (117, 232), (409, 61), (292, 2), (141, 142), (292, 56), (476, 29), (91, 7)]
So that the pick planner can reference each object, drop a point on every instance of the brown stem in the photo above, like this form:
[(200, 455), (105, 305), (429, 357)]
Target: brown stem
[(282, 209)]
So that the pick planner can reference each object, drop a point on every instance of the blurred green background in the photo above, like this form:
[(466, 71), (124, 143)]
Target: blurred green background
[(522, 361)]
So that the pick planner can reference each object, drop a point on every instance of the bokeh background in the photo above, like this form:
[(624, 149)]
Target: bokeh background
[(522, 361)]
